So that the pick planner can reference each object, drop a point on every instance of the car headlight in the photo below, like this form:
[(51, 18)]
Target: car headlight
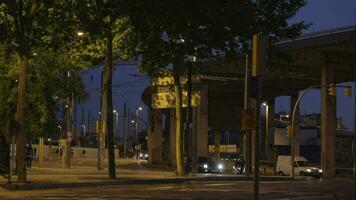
[(205, 166), (220, 166), (308, 170), (320, 171)]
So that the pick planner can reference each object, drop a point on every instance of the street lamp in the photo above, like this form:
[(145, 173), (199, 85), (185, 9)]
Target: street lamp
[(265, 104), (116, 113), (49, 148), (80, 33), (137, 123), (60, 129), (84, 129)]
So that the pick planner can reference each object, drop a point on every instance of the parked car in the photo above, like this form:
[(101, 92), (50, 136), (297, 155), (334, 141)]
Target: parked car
[(239, 167), (302, 167), (207, 165)]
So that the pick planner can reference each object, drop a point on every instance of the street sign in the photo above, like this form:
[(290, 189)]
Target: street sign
[(248, 120)]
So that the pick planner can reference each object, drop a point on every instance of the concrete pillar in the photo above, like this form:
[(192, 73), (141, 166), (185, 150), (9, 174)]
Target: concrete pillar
[(202, 123), (217, 140), (328, 122), (155, 137), (172, 137), (293, 100), (269, 136)]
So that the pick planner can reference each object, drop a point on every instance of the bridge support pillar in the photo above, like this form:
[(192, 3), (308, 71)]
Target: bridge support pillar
[(328, 122), (155, 137), (217, 141), (172, 137), (202, 123)]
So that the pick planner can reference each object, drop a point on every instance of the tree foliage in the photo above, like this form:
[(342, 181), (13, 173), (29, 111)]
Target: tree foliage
[(172, 32)]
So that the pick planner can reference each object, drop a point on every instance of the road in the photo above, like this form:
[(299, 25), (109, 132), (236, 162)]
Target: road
[(302, 189)]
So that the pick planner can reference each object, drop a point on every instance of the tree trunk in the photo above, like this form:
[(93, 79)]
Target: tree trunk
[(107, 106), (20, 120), (178, 102)]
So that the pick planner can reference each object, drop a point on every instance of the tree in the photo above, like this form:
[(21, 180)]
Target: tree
[(108, 27), (171, 32), (24, 25)]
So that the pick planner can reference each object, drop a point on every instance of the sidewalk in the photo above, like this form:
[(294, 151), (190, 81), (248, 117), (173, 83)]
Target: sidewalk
[(131, 173)]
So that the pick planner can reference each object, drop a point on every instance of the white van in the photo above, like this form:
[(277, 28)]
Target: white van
[(284, 167)]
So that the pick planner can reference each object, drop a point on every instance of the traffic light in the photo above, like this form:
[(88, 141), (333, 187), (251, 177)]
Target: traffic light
[(289, 131), (259, 54), (332, 90), (348, 91)]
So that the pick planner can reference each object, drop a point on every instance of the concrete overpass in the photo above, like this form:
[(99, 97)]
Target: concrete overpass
[(322, 58)]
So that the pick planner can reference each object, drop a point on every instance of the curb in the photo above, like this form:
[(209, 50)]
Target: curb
[(41, 186)]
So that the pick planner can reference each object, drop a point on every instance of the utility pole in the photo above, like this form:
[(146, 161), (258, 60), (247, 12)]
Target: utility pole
[(258, 65), (124, 132), (247, 136)]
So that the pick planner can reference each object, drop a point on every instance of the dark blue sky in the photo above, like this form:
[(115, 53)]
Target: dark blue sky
[(323, 14)]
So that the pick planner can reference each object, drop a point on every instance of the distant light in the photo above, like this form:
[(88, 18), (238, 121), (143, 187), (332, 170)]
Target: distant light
[(99, 113), (264, 104), (114, 111), (49, 139), (132, 121), (80, 33), (83, 125), (139, 108), (34, 54)]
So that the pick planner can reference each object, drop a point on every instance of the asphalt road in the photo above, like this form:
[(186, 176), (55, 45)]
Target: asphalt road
[(306, 189)]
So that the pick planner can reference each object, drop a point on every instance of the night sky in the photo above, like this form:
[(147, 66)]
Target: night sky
[(323, 14)]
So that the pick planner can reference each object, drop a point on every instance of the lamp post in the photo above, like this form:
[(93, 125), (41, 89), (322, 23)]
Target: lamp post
[(137, 123), (265, 104), (134, 124), (49, 148), (84, 129), (60, 129), (116, 129)]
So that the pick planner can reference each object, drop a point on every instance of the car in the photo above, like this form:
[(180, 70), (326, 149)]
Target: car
[(207, 165), (302, 167), (143, 156)]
